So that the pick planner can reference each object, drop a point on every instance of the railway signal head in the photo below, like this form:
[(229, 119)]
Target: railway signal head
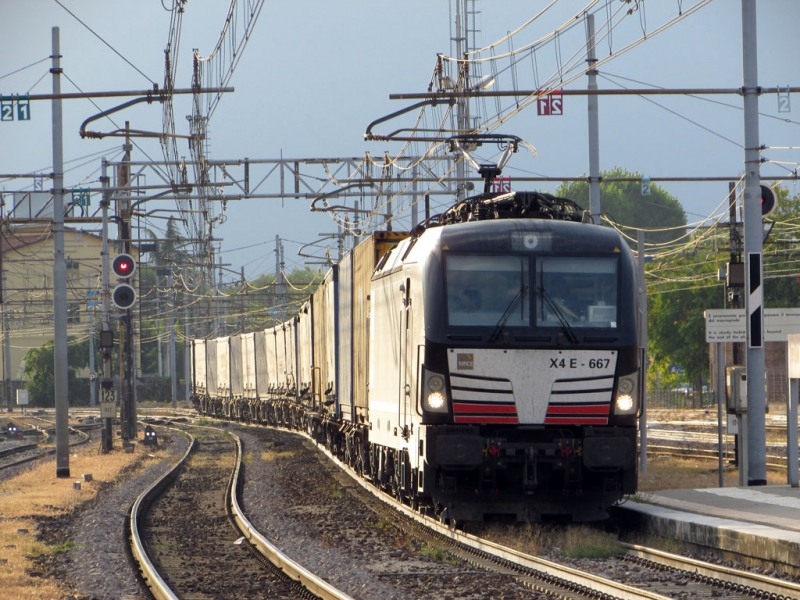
[(769, 201), (123, 296), (123, 266)]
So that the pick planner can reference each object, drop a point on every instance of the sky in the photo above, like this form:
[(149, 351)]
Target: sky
[(315, 74)]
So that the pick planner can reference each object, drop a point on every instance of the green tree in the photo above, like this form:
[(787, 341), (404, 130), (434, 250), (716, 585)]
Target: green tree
[(684, 284), (40, 368), (623, 203), (676, 331), (781, 271)]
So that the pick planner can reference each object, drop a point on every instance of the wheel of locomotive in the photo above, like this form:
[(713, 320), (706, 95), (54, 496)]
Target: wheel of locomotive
[(397, 479), (351, 451), (359, 461), (413, 496), (444, 519)]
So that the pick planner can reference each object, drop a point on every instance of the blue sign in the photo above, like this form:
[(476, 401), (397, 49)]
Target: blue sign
[(6, 108), (23, 112), (23, 108)]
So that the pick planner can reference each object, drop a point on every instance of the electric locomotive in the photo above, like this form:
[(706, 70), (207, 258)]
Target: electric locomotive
[(484, 365), (504, 365)]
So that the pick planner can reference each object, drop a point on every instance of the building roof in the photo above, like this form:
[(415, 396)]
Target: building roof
[(28, 235)]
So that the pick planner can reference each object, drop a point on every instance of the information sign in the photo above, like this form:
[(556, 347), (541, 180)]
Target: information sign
[(730, 325), (22, 397)]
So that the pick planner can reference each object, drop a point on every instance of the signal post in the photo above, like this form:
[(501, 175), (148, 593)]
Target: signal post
[(124, 297)]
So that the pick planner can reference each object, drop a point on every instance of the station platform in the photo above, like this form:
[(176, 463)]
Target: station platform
[(754, 525)]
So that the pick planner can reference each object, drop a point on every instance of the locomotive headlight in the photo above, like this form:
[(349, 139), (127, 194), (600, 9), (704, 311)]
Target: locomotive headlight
[(435, 383), (434, 394), (626, 403), (435, 401)]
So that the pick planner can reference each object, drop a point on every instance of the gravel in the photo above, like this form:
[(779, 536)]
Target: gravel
[(296, 498), (96, 566)]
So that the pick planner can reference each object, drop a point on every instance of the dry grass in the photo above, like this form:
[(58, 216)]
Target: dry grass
[(677, 473), (271, 453), (573, 541), (38, 492), (666, 473)]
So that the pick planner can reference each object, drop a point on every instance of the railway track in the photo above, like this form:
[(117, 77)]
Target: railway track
[(191, 540), (659, 574), (654, 574), (474, 564), (702, 442), (702, 576), (21, 454)]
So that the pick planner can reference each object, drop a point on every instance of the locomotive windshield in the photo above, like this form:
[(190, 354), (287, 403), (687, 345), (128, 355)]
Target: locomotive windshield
[(493, 290), (581, 291), (482, 290)]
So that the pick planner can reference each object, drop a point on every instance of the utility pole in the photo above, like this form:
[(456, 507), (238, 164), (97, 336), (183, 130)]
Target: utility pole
[(6, 332), (107, 399), (643, 361), (93, 378), (127, 380), (280, 289), (60, 361), (753, 246), (594, 124), (462, 104), (735, 282), (187, 350), (173, 370)]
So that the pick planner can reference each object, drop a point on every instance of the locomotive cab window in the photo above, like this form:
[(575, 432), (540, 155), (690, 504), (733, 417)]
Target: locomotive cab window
[(484, 290), (579, 291)]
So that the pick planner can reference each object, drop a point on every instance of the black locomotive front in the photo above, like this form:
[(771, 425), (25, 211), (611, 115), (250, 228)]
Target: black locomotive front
[(530, 391)]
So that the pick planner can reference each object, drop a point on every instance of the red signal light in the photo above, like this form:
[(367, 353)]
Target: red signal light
[(123, 266)]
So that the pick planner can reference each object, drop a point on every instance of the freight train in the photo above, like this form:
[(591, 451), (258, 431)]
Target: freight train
[(481, 366)]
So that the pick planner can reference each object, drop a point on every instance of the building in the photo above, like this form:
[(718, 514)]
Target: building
[(27, 278)]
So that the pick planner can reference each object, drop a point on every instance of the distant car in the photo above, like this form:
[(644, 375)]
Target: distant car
[(683, 390)]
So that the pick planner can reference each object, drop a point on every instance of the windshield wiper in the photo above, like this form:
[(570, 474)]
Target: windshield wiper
[(512, 306), (553, 306)]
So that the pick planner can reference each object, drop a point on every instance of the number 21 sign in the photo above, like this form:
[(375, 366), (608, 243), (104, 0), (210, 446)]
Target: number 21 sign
[(23, 112), (551, 104)]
